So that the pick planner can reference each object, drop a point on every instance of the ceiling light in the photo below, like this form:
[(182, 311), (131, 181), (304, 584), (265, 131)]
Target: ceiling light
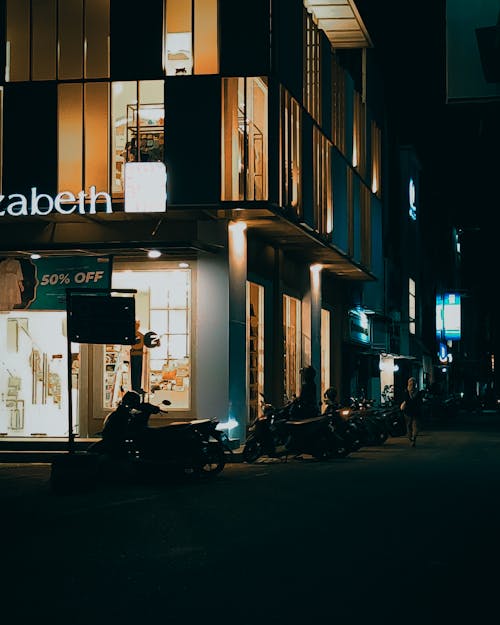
[(183, 265), (35, 256), (154, 253)]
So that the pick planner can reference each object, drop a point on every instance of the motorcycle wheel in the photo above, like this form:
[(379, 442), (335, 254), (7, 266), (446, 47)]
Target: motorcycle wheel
[(215, 461), (252, 451)]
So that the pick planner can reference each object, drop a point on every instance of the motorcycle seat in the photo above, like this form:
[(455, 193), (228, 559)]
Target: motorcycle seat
[(306, 421)]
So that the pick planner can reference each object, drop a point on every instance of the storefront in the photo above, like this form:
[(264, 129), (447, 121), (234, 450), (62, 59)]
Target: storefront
[(33, 344)]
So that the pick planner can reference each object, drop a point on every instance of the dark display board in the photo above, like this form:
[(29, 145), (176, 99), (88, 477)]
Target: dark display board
[(101, 319)]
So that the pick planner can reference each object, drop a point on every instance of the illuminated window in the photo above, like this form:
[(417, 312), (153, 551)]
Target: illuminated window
[(376, 159), (338, 105), (244, 139), (312, 67), (82, 120), (325, 350), (85, 111), (191, 37), (291, 149), (48, 40), (358, 139), (322, 183), (138, 126), (292, 332), (255, 353), (163, 306), (411, 306)]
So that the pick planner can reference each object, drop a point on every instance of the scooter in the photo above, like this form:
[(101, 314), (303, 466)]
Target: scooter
[(193, 447)]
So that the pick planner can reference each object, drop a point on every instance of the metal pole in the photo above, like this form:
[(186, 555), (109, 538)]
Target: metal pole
[(71, 436)]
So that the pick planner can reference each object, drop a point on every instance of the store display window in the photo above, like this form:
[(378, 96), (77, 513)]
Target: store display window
[(245, 138), (255, 352), (33, 374), (138, 114), (292, 331), (159, 363), (325, 350)]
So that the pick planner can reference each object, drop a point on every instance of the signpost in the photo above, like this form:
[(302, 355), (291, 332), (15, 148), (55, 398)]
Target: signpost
[(97, 316)]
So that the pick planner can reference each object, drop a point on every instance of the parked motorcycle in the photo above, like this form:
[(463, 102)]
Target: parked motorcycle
[(193, 447), (276, 433)]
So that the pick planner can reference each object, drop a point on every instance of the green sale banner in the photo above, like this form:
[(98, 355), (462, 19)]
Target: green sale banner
[(41, 284)]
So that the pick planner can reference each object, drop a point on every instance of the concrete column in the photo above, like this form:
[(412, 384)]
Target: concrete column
[(237, 258)]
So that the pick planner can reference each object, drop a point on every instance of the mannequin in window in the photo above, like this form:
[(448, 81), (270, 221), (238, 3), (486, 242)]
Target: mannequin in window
[(136, 359), (11, 283)]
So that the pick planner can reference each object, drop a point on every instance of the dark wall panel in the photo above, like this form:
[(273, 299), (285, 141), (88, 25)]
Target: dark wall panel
[(30, 138), (287, 41), (136, 39), (244, 37), (192, 139)]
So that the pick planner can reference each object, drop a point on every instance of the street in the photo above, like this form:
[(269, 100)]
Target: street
[(389, 534)]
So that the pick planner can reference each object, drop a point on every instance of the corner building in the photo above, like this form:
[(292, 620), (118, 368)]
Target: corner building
[(242, 141)]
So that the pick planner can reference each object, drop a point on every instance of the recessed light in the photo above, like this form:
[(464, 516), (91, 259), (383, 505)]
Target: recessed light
[(183, 265), (35, 256), (154, 253)]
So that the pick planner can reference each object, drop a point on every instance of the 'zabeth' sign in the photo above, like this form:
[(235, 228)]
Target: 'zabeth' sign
[(43, 204), (145, 192)]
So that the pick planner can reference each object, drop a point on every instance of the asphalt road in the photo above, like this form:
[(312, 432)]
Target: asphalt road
[(388, 534)]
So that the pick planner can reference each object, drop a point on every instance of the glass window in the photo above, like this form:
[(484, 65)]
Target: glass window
[(138, 131), (291, 152), (322, 183), (191, 24), (338, 105), (70, 29), (366, 227), (255, 352), (18, 40), (359, 139), (292, 332), (411, 306), (163, 306), (376, 159), (97, 30), (70, 137), (45, 35), (44, 39), (96, 135), (206, 45), (325, 350), (244, 139), (312, 67)]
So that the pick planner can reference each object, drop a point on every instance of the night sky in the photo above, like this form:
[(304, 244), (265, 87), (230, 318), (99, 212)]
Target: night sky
[(457, 144)]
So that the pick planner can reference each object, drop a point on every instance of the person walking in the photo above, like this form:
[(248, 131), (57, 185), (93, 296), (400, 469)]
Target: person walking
[(412, 410)]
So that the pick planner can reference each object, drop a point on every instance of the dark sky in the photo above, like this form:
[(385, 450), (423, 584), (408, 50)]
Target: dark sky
[(458, 145)]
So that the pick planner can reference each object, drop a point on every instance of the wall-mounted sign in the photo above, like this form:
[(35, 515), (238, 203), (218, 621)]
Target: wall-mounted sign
[(19, 205), (412, 200), (41, 284), (443, 353), (448, 317), (145, 188), (359, 326)]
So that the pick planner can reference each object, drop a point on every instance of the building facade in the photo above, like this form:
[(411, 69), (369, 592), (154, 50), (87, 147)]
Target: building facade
[(229, 172)]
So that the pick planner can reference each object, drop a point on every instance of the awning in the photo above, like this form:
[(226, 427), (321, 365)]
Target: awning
[(341, 22)]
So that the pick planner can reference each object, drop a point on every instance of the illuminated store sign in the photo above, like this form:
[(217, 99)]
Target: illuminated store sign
[(412, 200), (448, 317), (359, 326), (145, 192), (17, 204)]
